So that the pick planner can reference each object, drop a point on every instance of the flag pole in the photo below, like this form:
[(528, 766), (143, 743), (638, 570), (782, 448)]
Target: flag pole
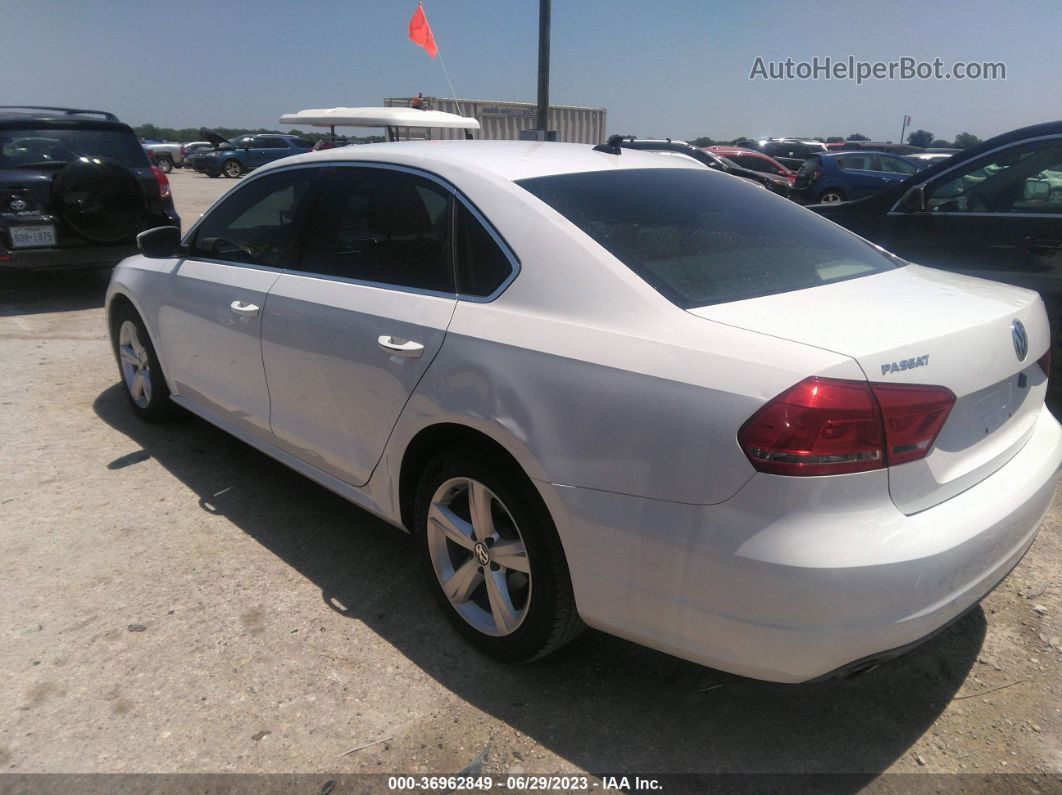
[(442, 61), (449, 81)]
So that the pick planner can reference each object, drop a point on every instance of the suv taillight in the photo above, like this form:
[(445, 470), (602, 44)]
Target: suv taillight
[(182, 151), (163, 180), (827, 426)]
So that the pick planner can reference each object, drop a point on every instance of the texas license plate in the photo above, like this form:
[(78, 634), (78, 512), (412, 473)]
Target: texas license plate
[(36, 235)]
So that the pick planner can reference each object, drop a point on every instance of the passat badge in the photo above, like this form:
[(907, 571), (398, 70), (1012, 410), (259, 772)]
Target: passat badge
[(1021, 339), (905, 364)]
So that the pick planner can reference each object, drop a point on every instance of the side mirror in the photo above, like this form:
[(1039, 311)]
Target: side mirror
[(161, 242), (914, 201)]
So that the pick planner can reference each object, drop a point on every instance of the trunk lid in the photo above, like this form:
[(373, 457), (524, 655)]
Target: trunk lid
[(917, 325)]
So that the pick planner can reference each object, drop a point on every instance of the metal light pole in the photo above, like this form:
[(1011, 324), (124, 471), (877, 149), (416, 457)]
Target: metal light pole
[(542, 121)]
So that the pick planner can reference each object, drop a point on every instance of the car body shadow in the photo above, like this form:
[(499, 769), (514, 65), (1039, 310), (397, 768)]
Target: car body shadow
[(603, 704), (40, 292)]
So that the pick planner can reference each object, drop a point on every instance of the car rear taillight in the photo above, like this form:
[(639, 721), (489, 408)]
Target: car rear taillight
[(912, 416), (163, 180), (821, 426), (1045, 363), (827, 426), (182, 151)]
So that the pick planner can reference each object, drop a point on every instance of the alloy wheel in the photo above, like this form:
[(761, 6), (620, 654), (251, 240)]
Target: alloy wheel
[(479, 556), (136, 365)]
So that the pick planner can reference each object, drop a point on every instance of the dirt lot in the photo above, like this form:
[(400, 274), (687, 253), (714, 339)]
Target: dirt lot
[(175, 601)]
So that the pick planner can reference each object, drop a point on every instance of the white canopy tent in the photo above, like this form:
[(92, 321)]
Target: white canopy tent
[(394, 119)]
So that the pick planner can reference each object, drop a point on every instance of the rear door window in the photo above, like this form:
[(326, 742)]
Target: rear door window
[(808, 166), (894, 165), (264, 142), (482, 264), (701, 238), (384, 226), (856, 162)]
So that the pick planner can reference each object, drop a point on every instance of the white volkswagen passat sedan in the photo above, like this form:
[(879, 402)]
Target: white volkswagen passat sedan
[(612, 388)]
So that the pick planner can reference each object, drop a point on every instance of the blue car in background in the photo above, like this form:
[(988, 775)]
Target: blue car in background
[(832, 177), (241, 154)]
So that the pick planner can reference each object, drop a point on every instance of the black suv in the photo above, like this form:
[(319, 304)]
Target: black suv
[(76, 188), (790, 152)]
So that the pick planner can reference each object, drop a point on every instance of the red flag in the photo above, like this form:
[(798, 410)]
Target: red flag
[(420, 32)]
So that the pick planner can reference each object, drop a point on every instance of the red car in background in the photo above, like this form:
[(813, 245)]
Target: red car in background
[(751, 159)]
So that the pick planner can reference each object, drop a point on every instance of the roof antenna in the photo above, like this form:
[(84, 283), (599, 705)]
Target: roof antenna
[(612, 147)]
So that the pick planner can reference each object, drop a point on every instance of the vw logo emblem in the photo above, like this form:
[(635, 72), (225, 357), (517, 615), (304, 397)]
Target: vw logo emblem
[(1021, 339), (481, 553)]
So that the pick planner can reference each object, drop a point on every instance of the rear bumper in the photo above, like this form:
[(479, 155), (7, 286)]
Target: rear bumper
[(67, 258), (794, 578)]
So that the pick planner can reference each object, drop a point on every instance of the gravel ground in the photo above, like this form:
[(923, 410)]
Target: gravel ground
[(175, 601)]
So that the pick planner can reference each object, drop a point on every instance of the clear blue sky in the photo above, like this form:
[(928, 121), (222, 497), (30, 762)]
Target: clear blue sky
[(671, 67)]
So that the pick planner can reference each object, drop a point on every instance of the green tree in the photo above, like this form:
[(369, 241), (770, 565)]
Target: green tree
[(940, 143), (835, 139), (703, 141), (921, 138), (965, 139), (857, 137)]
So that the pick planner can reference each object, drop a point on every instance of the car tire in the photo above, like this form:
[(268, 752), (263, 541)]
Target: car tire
[(232, 168), (516, 608), (165, 164), (831, 196), (138, 366), (212, 174)]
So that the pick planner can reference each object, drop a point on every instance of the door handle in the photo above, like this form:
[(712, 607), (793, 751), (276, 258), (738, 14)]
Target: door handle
[(399, 347), (242, 309)]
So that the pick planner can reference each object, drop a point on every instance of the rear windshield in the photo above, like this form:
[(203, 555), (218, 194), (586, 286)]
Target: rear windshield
[(809, 165), (706, 238), (29, 148)]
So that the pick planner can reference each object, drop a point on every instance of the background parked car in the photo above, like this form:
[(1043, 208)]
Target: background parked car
[(76, 188), (993, 210), (171, 156), (165, 155), (876, 146), (756, 161), (926, 159), (772, 182), (843, 176), (244, 153), (790, 152)]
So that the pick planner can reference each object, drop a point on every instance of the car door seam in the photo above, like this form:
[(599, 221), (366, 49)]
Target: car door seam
[(409, 396), (261, 349)]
